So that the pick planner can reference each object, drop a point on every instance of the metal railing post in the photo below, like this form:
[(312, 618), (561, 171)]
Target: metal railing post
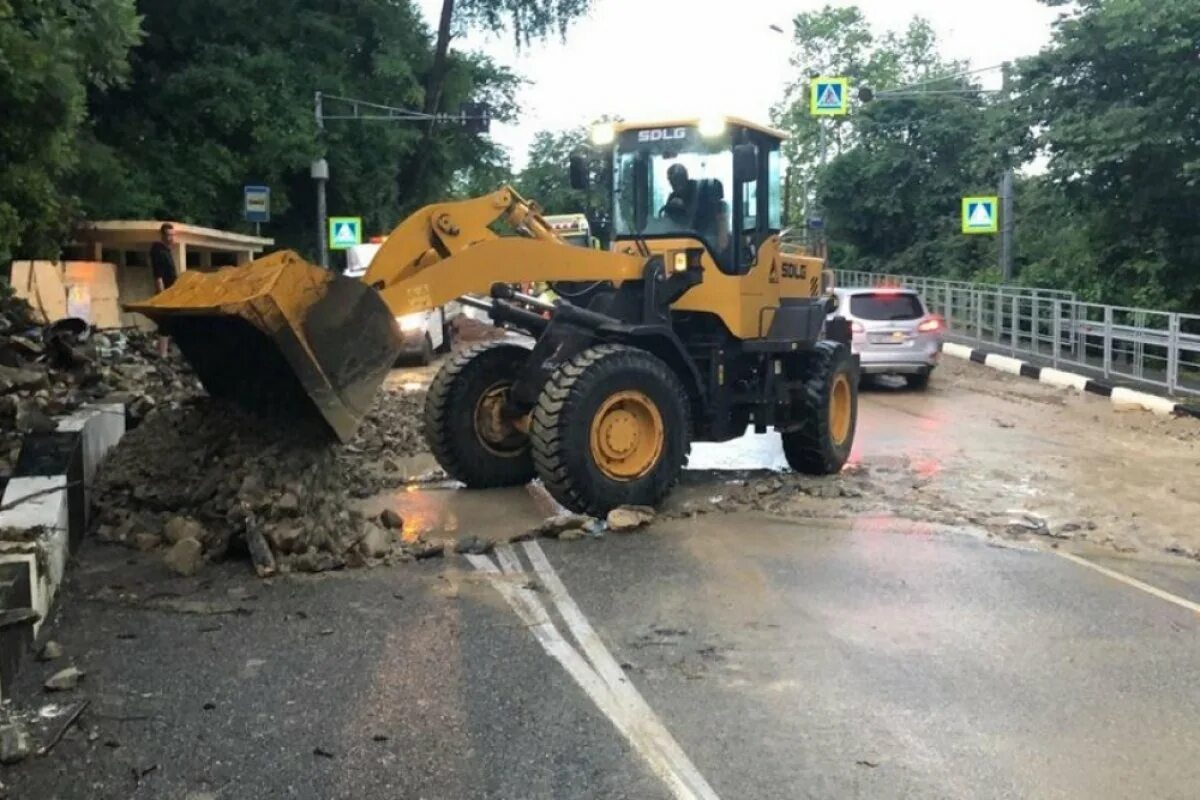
[(1108, 331), (1055, 326), (1172, 352), (1034, 333), (1015, 338)]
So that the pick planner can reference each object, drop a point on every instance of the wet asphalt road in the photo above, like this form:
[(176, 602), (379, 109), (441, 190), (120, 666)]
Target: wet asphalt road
[(871, 657)]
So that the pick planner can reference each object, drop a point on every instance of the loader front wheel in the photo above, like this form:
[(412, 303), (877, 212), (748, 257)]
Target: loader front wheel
[(465, 426), (611, 428), (827, 411)]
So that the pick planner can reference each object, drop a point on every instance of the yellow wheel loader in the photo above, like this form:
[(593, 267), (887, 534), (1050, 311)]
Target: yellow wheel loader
[(701, 323)]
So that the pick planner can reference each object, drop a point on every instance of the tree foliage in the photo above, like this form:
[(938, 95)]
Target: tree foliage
[(52, 52), (838, 41), (1109, 106), (546, 177), (217, 99), (1114, 100)]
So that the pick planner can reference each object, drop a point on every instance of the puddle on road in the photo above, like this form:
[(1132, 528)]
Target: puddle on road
[(446, 510)]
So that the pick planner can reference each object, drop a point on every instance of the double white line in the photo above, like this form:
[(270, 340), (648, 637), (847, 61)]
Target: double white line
[(598, 674)]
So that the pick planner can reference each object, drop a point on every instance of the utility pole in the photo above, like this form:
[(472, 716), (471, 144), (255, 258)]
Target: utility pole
[(320, 173), (1006, 226)]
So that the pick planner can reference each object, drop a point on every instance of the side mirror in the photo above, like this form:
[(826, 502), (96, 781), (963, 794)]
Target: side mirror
[(578, 168), (745, 163)]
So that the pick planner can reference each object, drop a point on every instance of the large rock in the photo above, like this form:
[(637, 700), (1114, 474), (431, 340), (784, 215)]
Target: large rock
[(50, 651), (376, 542), (64, 680), (12, 378), (629, 518), (285, 537), (31, 419), (390, 519), (288, 504), (185, 558), (553, 527), (179, 528), (15, 744)]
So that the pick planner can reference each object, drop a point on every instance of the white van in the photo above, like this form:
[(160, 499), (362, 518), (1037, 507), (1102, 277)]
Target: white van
[(426, 332)]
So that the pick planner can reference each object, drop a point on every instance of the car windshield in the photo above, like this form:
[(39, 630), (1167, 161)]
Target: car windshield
[(685, 184), (891, 306)]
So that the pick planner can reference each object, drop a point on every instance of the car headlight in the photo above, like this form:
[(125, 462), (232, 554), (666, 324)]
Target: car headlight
[(411, 322)]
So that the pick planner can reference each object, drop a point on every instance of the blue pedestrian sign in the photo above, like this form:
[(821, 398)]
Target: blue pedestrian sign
[(344, 232), (829, 97), (980, 214), (257, 203)]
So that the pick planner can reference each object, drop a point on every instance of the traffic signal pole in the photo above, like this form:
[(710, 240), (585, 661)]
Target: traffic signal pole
[(475, 117)]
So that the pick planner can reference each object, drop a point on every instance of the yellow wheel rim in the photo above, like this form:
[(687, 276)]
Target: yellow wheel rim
[(840, 410), (496, 432), (627, 436)]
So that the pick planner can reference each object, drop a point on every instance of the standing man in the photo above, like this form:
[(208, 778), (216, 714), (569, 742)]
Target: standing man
[(162, 262)]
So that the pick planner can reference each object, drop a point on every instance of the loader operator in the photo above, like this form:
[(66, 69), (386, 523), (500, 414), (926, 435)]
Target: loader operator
[(681, 203)]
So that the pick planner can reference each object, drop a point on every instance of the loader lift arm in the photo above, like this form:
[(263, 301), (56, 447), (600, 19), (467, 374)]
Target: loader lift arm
[(447, 250)]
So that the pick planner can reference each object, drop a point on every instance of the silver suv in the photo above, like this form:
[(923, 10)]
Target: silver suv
[(893, 332)]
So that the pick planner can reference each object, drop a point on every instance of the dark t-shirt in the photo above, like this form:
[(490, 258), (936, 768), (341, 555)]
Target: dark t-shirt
[(163, 264)]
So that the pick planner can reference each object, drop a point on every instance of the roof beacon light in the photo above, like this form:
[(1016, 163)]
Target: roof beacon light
[(603, 133), (711, 127)]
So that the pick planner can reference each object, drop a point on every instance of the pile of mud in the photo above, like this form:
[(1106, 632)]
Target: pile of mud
[(209, 481)]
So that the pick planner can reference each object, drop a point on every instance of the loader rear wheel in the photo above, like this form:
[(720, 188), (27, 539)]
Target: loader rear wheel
[(828, 405), (465, 427), (610, 428)]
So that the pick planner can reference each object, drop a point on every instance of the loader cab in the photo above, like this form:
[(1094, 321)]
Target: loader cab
[(714, 180)]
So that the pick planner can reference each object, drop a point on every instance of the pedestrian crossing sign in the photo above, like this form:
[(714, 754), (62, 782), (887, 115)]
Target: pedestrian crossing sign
[(344, 232), (979, 215), (829, 97)]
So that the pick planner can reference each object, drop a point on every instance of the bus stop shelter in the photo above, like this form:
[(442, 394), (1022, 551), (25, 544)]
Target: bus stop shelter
[(125, 244)]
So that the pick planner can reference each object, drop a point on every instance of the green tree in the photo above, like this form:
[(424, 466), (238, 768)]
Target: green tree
[(52, 52), (546, 177), (1114, 100), (839, 42), (528, 20), (217, 100)]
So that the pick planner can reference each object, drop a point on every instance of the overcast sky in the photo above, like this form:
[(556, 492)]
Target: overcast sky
[(659, 58)]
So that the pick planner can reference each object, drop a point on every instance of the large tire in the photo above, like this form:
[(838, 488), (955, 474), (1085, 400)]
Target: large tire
[(829, 411), (458, 409), (610, 428)]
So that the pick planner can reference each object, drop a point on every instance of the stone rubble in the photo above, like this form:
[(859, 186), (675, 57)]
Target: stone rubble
[(52, 370), (209, 481)]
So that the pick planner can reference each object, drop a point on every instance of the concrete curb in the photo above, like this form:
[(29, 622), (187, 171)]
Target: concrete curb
[(50, 496), (1120, 396)]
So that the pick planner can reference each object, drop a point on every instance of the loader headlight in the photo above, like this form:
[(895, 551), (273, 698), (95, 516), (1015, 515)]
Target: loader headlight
[(603, 133), (411, 322), (680, 262)]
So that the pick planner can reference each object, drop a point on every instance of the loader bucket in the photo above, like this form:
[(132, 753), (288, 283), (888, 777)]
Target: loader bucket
[(288, 341)]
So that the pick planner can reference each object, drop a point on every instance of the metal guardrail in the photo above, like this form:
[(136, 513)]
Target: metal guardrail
[(1160, 349)]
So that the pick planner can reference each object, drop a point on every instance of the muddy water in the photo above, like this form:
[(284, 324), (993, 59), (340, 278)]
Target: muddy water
[(970, 451)]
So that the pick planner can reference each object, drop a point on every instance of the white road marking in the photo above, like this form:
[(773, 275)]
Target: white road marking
[(636, 728), (508, 559), (611, 671), (1161, 594)]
